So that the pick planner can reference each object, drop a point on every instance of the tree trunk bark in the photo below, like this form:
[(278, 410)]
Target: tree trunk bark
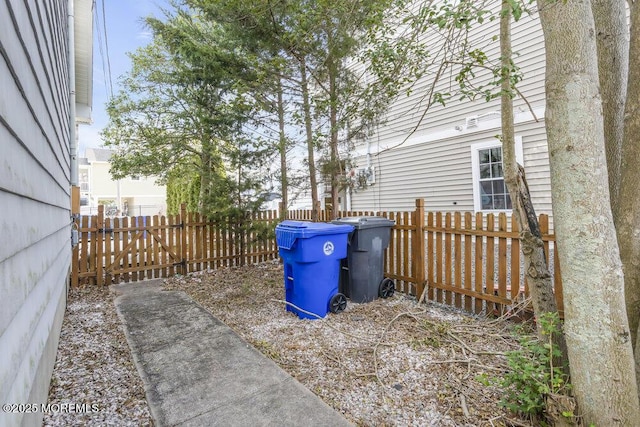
[(282, 148), (612, 41), (306, 106), (596, 328), (629, 195), (333, 143), (205, 176), (532, 246)]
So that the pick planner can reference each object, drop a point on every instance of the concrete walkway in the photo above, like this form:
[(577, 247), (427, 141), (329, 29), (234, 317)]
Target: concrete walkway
[(198, 372)]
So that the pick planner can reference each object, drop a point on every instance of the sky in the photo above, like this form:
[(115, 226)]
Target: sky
[(125, 32)]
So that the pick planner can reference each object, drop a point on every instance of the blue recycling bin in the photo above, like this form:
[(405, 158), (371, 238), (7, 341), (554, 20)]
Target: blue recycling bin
[(311, 252)]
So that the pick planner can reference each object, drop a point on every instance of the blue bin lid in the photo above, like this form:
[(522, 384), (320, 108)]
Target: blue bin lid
[(288, 231)]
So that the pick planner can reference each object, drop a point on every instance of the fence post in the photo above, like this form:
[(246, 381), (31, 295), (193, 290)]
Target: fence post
[(183, 239), (417, 248)]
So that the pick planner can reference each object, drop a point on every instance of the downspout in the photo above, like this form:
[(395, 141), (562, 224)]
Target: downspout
[(73, 143)]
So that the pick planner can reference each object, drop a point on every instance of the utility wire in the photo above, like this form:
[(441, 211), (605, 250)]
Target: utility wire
[(106, 45), (102, 43)]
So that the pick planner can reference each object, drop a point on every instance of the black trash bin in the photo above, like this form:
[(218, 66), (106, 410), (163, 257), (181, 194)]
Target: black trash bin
[(362, 272)]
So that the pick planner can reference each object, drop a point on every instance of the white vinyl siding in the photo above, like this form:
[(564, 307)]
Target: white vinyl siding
[(35, 197)]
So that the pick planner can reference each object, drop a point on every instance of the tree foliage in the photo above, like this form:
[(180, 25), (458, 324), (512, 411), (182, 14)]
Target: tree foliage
[(183, 186), (183, 107)]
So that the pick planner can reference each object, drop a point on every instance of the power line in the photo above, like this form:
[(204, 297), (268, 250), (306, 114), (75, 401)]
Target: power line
[(102, 48), (106, 45)]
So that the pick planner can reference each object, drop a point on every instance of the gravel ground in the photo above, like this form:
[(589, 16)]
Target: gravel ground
[(388, 362), (94, 367)]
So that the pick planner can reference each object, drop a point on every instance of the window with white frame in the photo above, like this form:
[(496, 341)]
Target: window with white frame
[(489, 190)]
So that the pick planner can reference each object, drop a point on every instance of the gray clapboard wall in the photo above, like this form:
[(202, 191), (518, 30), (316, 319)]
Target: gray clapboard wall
[(35, 249), (435, 162)]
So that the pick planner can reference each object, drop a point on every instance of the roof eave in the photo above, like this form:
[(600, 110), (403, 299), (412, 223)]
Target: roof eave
[(83, 24)]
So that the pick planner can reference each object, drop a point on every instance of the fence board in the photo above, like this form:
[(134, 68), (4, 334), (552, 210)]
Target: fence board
[(439, 259), (468, 261), (391, 251), (405, 255), (431, 272), (107, 247), (489, 284), (100, 246), (148, 272), (478, 265), (501, 286), (457, 225), (125, 262), (84, 243), (198, 242), (172, 230), (164, 257), (448, 297)]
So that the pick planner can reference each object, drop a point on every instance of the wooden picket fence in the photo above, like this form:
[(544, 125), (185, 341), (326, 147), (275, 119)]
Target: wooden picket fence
[(131, 249), (475, 260), (469, 261)]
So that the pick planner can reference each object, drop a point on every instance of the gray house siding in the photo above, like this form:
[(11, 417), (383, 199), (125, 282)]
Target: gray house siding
[(432, 159), (35, 195), (440, 171)]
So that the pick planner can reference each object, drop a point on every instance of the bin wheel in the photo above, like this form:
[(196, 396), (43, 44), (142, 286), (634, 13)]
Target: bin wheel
[(387, 288), (338, 303)]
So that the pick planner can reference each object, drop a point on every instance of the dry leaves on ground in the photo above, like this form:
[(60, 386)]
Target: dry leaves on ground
[(388, 362), (94, 367)]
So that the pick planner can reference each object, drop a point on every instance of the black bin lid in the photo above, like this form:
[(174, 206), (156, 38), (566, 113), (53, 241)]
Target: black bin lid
[(362, 222)]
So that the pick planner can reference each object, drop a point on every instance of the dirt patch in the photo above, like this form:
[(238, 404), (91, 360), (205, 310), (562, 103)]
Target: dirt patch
[(389, 362)]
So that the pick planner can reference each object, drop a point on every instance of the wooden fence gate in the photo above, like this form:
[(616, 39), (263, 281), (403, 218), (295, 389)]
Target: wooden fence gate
[(127, 249), (115, 250)]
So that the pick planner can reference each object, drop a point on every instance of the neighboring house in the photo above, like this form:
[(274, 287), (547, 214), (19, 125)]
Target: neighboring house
[(129, 196), (39, 110), (453, 159)]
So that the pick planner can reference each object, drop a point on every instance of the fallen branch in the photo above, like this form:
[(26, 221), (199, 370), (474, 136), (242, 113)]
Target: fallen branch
[(470, 350), (334, 328)]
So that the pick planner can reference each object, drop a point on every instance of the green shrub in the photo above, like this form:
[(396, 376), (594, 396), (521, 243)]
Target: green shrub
[(532, 375)]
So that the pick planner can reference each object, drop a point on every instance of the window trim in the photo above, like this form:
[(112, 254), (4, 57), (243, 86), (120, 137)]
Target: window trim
[(475, 169)]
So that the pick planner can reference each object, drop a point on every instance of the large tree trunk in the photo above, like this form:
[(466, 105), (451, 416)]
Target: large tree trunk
[(612, 41), (306, 106), (596, 328), (629, 195), (537, 270)]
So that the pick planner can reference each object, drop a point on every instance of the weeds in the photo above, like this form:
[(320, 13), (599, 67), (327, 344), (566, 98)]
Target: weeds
[(532, 375)]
